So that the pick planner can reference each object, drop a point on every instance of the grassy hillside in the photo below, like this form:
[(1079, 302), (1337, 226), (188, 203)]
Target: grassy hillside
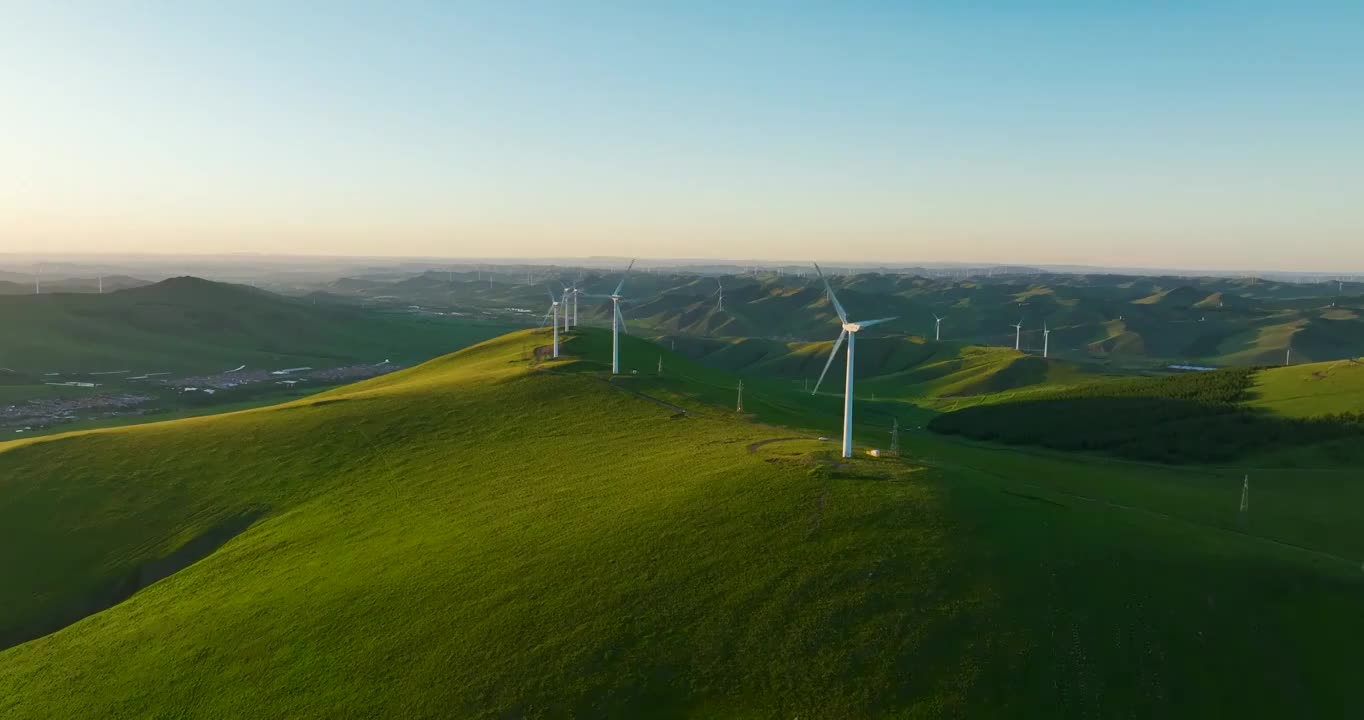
[(192, 325), (906, 368), (1310, 390), (1123, 321), (1198, 417), (481, 537)]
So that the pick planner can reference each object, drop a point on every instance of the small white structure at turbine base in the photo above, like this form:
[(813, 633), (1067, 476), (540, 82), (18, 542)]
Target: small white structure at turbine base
[(849, 332)]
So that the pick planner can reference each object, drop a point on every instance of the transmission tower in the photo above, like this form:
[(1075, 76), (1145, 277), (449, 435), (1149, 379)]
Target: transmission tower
[(1245, 502)]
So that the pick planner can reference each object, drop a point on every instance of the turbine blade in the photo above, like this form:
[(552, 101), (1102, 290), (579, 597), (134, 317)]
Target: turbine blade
[(621, 286), (621, 318), (869, 323), (833, 299), (832, 354)]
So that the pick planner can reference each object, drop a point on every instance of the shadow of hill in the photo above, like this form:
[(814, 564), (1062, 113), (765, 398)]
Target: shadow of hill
[(1160, 429)]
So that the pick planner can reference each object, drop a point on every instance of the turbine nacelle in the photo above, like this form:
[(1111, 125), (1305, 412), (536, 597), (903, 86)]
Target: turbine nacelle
[(853, 327)]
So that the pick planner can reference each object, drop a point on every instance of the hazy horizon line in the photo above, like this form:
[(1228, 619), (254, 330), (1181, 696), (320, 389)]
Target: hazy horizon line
[(74, 257)]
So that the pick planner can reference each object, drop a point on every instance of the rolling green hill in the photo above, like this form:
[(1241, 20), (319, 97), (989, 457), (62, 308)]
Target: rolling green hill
[(1215, 416), (906, 368), (193, 325), (1310, 390), (1128, 323), (485, 536)]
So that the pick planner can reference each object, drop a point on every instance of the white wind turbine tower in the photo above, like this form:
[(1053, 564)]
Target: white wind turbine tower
[(937, 328), (1018, 335), (553, 314), (617, 320), (720, 304), (1046, 339), (850, 330), (567, 294)]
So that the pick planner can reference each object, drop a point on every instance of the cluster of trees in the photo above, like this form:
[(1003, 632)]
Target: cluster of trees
[(1181, 419)]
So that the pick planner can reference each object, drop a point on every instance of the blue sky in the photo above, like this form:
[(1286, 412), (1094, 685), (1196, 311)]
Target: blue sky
[(1171, 134)]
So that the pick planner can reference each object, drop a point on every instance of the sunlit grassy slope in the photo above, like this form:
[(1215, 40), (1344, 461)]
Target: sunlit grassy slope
[(907, 368), (480, 537), (1311, 390)]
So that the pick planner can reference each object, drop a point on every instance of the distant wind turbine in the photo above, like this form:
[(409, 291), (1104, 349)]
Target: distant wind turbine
[(720, 293), (937, 328), (567, 295), (1018, 335), (1046, 339), (553, 314), (849, 332)]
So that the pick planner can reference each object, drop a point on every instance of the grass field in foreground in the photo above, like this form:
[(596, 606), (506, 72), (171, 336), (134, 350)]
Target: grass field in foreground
[(478, 538)]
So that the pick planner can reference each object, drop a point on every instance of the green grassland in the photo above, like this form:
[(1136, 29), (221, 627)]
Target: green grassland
[(1218, 416), (1310, 390), (928, 373), (484, 536)]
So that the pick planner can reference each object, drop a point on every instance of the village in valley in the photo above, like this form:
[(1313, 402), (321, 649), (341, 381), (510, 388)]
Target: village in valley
[(59, 399)]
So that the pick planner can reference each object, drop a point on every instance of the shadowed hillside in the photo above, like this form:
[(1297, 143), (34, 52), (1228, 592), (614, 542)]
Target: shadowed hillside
[(196, 325)]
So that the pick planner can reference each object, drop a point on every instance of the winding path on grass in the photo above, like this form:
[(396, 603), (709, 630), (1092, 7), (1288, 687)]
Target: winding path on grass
[(754, 447)]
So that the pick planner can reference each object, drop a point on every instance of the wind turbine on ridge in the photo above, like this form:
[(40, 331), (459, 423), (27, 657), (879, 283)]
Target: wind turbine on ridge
[(567, 294), (553, 313), (937, 328), (1046, 339), (720, 304), (849, 332), (617, 320), (1018, 335), (576, 293)]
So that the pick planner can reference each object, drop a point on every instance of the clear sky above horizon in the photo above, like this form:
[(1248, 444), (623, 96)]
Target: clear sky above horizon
[(1208, 135)]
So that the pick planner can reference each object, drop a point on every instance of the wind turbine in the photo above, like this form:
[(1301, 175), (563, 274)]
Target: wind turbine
[(937, 328), (567, 294), (553, 313), (1046, 339), (617, 320), (850, 330), (720, 304), (1018, 335)]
